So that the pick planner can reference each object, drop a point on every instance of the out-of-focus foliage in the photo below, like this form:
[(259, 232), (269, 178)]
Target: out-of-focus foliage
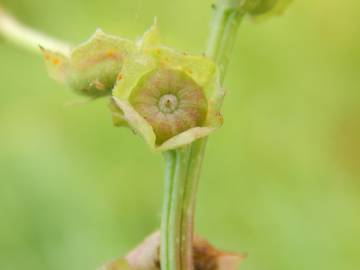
[(281, 180)]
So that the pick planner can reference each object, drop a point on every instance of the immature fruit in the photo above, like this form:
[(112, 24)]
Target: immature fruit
[(170, 101)]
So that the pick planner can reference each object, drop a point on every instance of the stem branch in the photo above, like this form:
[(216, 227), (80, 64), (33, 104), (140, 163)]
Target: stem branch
[(28, 38)]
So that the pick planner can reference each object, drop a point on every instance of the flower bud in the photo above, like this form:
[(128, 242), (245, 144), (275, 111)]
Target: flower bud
[(91, 69)]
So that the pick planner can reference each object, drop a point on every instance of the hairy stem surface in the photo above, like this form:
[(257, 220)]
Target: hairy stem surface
[(184, 165)]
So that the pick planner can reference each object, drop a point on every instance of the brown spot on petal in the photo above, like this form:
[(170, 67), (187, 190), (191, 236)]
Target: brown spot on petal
[(55, 61), (189, 71), (119, 77), (110, 54), (46, 56), (99, 85)]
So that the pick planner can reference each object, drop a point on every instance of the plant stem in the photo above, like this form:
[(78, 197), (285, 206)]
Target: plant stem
[(26, 37), (184, 165), (227, 17), (176, 176)]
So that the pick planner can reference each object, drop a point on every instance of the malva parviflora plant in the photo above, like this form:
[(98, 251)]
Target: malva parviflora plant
[(170, 99)]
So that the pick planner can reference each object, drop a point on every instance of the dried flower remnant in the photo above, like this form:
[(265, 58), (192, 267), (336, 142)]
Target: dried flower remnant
[(146, 257)]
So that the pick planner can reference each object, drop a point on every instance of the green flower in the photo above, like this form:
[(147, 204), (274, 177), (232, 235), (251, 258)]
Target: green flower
[(168, 98), (91, 68)]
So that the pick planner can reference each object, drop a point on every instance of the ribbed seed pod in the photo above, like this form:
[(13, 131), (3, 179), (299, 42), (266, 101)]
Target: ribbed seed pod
[(171, 101)]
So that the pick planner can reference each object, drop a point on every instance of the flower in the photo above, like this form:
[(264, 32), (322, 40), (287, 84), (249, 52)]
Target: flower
[(146, 257), (168, 98)]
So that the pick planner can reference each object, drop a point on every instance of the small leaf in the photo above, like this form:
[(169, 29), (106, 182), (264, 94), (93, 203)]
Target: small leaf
[(268, 8)]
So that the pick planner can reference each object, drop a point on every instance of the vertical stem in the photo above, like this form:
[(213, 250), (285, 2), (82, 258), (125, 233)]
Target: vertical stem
[(175, 189), (170, 159), (184, 165), (227, 17)]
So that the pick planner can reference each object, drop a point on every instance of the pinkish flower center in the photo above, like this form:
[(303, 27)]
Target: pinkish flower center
[(168, 103)]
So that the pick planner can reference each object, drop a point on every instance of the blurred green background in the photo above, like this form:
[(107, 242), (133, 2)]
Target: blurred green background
[(281, 180)]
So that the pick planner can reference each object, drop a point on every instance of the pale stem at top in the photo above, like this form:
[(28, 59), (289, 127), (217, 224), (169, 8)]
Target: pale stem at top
[(28, 38)]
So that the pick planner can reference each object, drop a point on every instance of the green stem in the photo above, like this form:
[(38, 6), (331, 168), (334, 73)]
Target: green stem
[(184, 165), (175, 189), (28, 38), (227, 17)]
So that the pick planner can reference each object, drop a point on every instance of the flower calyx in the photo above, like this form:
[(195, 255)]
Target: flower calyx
[(168, 98)]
